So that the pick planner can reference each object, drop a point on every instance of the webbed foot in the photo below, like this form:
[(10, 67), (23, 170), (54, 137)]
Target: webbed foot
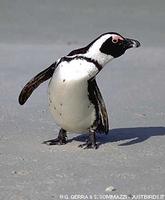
[(90, 142), (60, 140)]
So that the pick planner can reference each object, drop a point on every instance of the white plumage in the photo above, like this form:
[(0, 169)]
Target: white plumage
[(68, 95)]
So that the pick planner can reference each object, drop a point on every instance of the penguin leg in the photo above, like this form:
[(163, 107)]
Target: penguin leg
[(90, 142), (61, 139)]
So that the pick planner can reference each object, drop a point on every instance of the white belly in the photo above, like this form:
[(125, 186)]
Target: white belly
[(69, 102)]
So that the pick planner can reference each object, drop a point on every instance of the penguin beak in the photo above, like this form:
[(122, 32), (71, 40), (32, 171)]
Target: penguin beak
[(131, 43)]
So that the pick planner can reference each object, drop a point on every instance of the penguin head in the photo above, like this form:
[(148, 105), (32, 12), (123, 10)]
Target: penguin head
[(115, 45), (106, 47)]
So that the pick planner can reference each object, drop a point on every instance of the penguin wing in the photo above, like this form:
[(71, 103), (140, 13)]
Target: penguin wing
[(35, 82), (102, 116)]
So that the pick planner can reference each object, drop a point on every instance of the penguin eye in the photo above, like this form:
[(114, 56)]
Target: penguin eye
[(114, 41)]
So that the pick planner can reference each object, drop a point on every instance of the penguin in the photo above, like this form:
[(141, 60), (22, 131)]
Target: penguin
[(75, 100)]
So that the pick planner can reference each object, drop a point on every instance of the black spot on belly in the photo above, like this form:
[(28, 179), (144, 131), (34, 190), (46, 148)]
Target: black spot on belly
[(50, 100), (64, 80), (89, 105)]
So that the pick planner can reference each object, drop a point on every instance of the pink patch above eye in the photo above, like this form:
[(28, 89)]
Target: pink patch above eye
[(117, 38)]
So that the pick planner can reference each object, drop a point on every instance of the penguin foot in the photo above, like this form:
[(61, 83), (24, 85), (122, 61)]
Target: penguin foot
[(55, 141), (90, 142), (60, 140), (88, 145)]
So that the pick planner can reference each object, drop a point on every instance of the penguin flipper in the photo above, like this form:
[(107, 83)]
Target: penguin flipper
[(35, 82), (102, 121)]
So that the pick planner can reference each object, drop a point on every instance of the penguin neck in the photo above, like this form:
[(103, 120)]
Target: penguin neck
[(94, 52), (99, 57)]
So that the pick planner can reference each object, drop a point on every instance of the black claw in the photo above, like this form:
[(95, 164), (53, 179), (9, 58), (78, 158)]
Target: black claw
[(60, 140), (96, 146), (88, 146), (55, 141), (91, 147), (90, 143)]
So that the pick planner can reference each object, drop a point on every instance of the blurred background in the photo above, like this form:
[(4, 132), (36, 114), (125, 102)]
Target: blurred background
[(49, 21)]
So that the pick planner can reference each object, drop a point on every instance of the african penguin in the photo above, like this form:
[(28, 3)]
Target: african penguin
[(75, 100)]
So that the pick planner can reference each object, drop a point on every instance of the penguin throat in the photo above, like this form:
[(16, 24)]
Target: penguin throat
[(99, 57)]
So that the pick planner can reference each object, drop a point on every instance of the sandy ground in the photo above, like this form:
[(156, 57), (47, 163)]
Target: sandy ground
[(131, 158)]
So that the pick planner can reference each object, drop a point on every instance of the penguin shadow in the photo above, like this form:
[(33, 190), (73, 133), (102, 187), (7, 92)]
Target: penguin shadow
[(127, 136)]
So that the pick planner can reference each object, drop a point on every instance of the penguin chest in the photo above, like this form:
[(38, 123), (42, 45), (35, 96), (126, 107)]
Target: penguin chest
[(69, 102)]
